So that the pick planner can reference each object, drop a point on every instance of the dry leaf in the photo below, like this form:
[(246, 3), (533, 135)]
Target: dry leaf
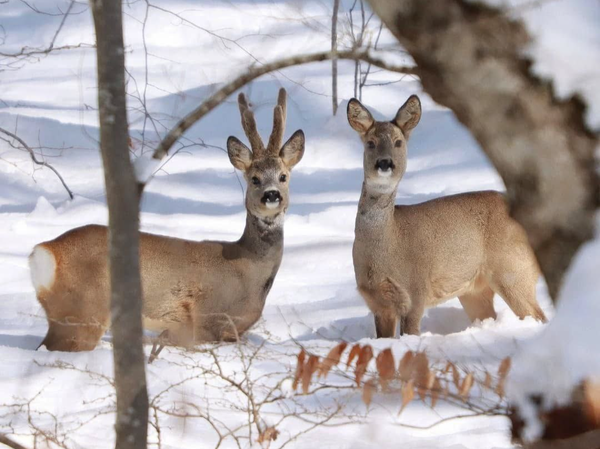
[(365, 356), (421, 373), (310, 367), (500, 388), (449, 366), (446, 390), (436, 389), (428, 385), (408, 394), (369, 390), (406, 366), (488, 380), (504, 368), (332, 359), (299, 368), (466, 386), (385, 366), (269, 434), (420, 367), (430, 380), (456, 377), (353, 354)]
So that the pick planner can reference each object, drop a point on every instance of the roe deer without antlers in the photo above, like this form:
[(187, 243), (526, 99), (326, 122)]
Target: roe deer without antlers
[(408, 258), (196, 291)]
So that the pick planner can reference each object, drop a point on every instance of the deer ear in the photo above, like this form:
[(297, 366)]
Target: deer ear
[(292, 151), (408, 115), (239, 154), (359, 117)]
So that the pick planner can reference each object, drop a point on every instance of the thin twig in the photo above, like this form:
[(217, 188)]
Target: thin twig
[(36, 160), (27, 52), (451, 418)]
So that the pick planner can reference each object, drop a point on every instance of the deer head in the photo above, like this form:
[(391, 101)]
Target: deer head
[(266, 170), (384, 159)]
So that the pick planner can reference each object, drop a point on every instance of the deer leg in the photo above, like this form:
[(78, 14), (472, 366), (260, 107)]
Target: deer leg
[(229, 329), (385, 325), (396, 297), (520, 297), (514, 278), (411, 322), (402, 325), (71, 336), (158, 345), (517, 289), (479, 305)]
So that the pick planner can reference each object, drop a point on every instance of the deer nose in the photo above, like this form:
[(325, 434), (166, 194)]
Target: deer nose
[(384, 164), (271, 196)]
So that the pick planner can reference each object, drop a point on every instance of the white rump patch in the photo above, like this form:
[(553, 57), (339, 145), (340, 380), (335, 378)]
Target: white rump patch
[(42, 266)]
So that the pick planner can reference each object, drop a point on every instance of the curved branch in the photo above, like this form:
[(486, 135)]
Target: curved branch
[(10, 443), (257, 71), (36, 160)]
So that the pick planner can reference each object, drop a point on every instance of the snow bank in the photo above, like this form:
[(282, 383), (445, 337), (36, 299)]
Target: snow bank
[(566, 352)]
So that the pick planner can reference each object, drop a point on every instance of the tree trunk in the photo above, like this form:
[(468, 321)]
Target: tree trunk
[(123, 208), (470, 58), (334, 61)]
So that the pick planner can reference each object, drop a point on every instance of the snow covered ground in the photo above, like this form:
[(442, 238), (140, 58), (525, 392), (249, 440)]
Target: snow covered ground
[(197, 195)]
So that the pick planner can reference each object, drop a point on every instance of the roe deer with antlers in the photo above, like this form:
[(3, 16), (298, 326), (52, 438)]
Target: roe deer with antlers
[(197, 291), (408, 258)]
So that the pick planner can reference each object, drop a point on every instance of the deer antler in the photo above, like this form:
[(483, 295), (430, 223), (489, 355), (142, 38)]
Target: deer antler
[(249, 125), (279, 118)]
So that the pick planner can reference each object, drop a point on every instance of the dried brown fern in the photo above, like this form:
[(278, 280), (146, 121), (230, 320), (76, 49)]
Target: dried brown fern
[(416, 376)]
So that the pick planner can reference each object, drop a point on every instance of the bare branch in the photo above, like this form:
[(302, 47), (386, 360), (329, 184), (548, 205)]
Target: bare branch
[(493, 412), (223, 39), (36, 160), (27, 52), (10, 443)]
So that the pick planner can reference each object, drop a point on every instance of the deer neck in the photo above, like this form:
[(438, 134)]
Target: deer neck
[(263, 237), (375, 211)]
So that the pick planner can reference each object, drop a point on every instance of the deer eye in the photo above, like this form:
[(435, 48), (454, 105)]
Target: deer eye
[(370, 144), (255, 181), (398, 143), (283, 178)]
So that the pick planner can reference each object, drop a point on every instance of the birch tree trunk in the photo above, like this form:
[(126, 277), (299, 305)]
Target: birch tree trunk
[(123, 208)]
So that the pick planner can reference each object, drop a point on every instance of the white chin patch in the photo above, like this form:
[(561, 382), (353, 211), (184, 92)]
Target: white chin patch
[(383, 183), (272, 204)]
